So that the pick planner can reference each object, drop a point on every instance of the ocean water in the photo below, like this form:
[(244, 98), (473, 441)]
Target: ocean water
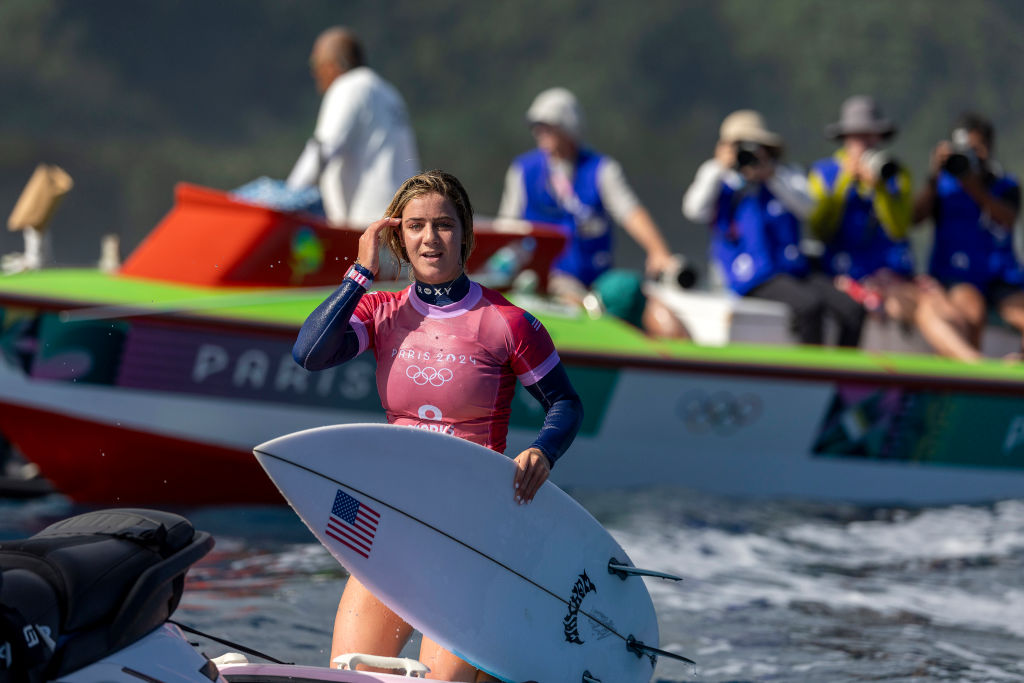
[(772, 591)]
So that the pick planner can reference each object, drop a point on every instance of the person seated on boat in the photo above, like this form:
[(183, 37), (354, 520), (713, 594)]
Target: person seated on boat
[(862, 210), (363, 146), (754, 205), (973, 204), (463, 385), (565, 183)]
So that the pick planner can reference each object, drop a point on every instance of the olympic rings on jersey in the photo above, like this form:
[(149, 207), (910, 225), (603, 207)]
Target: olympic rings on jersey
[(424, 375)]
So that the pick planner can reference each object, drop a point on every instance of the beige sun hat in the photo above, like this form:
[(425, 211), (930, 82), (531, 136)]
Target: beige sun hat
[(747, 125), (557, 107)]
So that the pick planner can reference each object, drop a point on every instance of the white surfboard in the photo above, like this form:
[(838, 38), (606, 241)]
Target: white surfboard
[(428, 522)]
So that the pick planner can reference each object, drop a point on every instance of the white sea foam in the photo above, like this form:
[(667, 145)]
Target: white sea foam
[(916, 563)]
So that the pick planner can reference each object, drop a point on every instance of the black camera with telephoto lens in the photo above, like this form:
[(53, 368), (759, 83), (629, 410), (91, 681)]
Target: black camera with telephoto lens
[(961, 159), (881, 163), (748, 155), (681, 273)]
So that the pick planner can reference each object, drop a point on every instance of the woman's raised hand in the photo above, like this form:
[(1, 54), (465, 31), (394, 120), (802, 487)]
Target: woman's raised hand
[(369, 243)]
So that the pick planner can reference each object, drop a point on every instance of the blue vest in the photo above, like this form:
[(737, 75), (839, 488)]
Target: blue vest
[(968, 247), (754, 238), (588, 249), (861, 246)]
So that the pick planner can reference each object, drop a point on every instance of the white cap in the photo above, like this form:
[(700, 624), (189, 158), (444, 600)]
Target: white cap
[(557, 107)]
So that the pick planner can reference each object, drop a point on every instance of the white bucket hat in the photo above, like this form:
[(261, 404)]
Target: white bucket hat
[(557, 107)]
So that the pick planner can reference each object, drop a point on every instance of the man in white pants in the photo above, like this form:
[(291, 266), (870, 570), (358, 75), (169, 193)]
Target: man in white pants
[(363, 147)]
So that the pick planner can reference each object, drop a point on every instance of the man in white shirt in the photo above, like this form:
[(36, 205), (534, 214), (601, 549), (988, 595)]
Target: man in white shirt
[(363, 147)]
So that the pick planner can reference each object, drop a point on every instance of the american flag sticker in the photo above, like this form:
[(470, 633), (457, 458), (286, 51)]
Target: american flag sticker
[(353, 524)]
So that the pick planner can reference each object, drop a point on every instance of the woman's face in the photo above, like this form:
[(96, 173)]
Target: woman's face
[(432, 237)]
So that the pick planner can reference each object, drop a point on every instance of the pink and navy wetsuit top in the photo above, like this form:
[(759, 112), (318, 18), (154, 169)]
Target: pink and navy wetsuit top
[(448, 357)]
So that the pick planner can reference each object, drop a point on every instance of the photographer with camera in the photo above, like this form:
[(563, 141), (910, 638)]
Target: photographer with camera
[(974, 206), (754, 205), (862, 211)]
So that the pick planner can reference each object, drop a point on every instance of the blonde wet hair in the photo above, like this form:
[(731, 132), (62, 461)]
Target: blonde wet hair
[(430, 182)]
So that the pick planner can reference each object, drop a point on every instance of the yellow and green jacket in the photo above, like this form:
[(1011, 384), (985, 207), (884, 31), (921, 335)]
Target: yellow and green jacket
[(864, 228)]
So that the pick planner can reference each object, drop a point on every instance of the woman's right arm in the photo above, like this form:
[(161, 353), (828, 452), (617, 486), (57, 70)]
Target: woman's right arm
[(326, 338)]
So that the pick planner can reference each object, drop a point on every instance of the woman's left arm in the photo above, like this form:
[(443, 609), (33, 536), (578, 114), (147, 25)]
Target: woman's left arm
[(564, 415)]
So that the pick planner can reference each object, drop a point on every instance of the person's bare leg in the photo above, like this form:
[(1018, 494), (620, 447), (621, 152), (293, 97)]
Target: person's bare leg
[(943, 327), (1012, 310), (660, 321), (366, 625), (900, 301), (443, 665), (970, 304)]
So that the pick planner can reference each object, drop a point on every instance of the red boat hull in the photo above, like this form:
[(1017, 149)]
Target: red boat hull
[(97, 464)]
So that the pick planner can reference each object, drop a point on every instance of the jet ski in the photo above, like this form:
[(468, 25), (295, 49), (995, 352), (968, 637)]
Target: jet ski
[(89, 600)]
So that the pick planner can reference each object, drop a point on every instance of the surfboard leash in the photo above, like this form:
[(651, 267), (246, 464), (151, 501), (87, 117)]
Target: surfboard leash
[(224, 641)]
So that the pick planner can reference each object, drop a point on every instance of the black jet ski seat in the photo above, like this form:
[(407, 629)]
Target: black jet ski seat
[(88, 586)]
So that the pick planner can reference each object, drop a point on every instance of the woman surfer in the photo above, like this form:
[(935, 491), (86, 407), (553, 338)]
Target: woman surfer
[(448, 354)]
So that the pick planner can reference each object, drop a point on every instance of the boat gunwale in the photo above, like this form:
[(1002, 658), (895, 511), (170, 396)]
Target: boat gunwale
[(660, 360), (781, 371)]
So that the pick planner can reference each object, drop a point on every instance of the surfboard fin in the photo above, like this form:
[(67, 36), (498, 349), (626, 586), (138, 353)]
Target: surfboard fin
[(587, 678), (623, 571), (640, 649)]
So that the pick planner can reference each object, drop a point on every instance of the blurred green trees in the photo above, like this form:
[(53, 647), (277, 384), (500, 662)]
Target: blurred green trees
[(132, 97)]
